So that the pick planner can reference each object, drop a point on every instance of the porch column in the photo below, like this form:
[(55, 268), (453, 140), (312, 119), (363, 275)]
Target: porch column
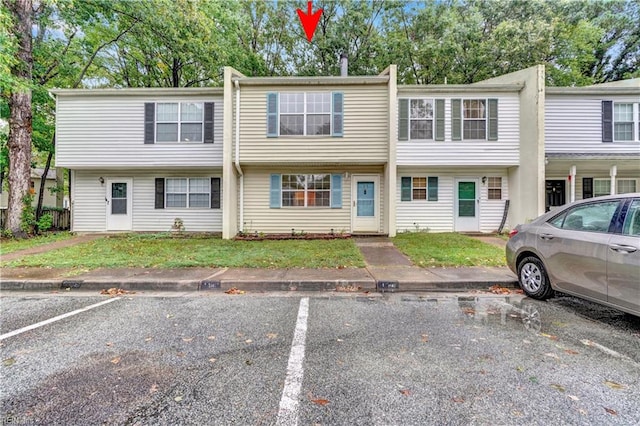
[(572, 180), (613, 172)]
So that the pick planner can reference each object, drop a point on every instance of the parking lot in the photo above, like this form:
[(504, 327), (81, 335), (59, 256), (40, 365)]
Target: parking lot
[(213, 358)]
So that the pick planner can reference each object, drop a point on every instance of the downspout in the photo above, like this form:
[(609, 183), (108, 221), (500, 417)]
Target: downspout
[(237, 159)]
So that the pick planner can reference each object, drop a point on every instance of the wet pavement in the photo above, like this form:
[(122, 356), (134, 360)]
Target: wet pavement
[(403, 358)]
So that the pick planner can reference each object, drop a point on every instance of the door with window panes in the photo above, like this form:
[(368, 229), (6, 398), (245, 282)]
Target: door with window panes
[(118, 204)]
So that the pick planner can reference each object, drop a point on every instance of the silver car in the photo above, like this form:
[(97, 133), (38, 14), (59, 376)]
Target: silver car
[(589, 249)]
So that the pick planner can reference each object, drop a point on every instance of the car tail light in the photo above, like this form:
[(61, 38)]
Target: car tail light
[(512, 233)]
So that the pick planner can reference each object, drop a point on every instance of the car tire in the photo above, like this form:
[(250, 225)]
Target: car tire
[(533, 278)]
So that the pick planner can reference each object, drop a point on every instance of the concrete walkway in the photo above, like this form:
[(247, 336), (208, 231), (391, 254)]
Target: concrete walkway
[(79, 239), (387, 269)]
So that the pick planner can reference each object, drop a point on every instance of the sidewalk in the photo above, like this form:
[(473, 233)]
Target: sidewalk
[(386, 270)]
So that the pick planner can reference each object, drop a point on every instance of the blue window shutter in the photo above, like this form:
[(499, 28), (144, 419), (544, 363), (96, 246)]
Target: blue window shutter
[(403, 119), (456, 119), (272, 115), (275, 200), (493, 120), (336, 191), (149, 122), (607, 121), (433, 188), (337, 110), (405, 188)]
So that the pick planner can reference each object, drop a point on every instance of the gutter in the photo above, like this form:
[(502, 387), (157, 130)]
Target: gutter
[(237, 156)]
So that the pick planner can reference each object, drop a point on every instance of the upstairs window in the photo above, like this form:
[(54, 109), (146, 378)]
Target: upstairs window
[(421, 119), (623, 122), (620, 121), (304, 114), (475, 119), (178, 122)]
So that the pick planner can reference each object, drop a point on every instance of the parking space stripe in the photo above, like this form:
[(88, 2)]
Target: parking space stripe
[(54, 319), (288, 412)]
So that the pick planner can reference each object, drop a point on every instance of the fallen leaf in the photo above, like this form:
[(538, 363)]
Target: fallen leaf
[(469, 311), (212, 360), (339, 340), (533, 379), (557, 387), (348, 289), (181, 354), (248, 362), (248, 341), (610, 411), (177, 399), (457, 399), (520, 369), (552, 355), (496, 289), (170, 315), (187, 339), (573, 397), (234, 290), (571, 352), (405, 392), (148, 339), (154, 388), (116, 360), (549, 336), (211, 338), (114, 291), (109, 343), (320, 401), (613, 385), (272, 335), (8, 362)]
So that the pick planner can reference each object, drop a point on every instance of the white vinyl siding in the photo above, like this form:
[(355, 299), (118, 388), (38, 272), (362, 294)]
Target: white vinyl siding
[(438, 216), (503, 152), (89, 210), (573, 124), (366, 129), (108, 132)]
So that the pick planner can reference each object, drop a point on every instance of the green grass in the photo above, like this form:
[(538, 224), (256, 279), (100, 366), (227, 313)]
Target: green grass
[(159, 250), (448, 249), (9, 245)]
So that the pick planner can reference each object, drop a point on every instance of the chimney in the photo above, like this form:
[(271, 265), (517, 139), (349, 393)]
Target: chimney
[(344, 65)]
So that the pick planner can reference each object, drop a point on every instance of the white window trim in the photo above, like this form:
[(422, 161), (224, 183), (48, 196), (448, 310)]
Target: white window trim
[(188, 193), (626, 180), (432, 119), (179, 122), (306, 191), (304, 115), (636, 122), (486, 118), (489, 187)]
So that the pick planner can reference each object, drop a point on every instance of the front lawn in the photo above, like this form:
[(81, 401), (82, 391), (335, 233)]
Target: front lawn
[(448, 249), (162, 251), (9, 245)]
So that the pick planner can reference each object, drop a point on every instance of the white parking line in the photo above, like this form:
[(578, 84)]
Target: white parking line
[(288, 412), (54, 319)]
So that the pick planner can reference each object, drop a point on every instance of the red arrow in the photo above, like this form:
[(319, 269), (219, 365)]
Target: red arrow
[(309, 20)]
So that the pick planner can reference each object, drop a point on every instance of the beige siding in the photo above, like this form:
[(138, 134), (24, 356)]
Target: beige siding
[(89, 210), (108, 132), (259, 217), (49, 199), (573, 124), (365, 139), (503, 152), (438, 216)]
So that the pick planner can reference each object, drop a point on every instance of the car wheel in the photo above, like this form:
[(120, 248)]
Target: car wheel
[(533, 278)]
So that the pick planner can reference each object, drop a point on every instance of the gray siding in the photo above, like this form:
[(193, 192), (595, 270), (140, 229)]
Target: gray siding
[(503, 152), (573, 124), (89, 210), (108, 132), (366, 124)]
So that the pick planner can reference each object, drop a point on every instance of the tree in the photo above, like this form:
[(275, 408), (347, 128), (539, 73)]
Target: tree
[(19, 100)]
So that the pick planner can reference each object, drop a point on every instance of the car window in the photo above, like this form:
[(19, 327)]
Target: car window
[(632, 221), (593, 217)]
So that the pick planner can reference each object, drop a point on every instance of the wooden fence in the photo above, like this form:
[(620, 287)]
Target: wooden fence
[(61, 218)]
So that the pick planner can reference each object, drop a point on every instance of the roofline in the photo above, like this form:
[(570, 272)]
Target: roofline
[(592, 156), (139, 91), (460, 88), (310, 81), (593, 90)]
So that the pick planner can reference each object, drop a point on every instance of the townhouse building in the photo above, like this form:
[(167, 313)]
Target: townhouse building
[(592, 141), (354, 154)]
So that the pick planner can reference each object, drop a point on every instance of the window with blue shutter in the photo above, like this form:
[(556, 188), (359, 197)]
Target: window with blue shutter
[(272, 114), (275, 200), (337, 112), (336, 191)]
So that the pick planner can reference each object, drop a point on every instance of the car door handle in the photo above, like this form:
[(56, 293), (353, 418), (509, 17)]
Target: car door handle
[(622, 249), (546, 237)]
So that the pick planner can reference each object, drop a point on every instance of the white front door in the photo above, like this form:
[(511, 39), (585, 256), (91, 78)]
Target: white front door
[(118, 201), (365, 206), (467, 214)]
